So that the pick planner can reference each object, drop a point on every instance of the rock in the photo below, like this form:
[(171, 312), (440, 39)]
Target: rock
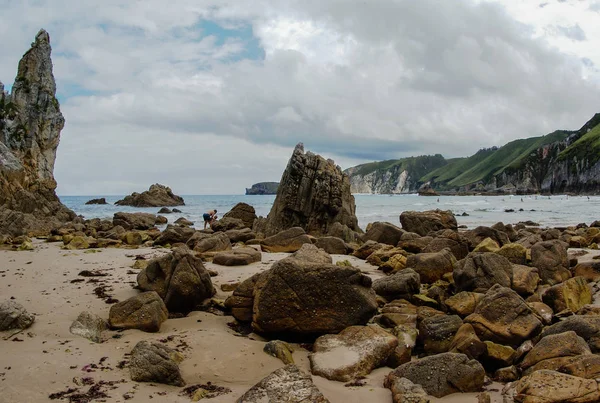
[(487, 245), (497, 356), (554, 346), (157, 196), (145, 311), (139, 221), (353, 353), (551, 258), (478, 272), (543, 311), (442, 374), (463, 303), (479, 234), (179, 278), (311, 298), (583, 366), (547, 386), (184, 222), (227, 224), (367, 249), (97, 201), (415, 245), (14, 316), (437, 332), (133, 238), (432, 266), (570, 295), (165, 210), (242, 301), (466, 342), (333, 245), (589, 270), (395, 264), (383, 232), (503, 317), (402, 284), (451, 240), (311, 254), (30, 126), (281, 350), (161, 220), (78, 242), (587, 327), (287, 384), (514, 252), (404, 391), (343, 232), (237, 257), (508, 374), (263, 188), (204, 243), (425, 222), (525, 279), (244, 212), (89, 326), (380, 256), (174, 234), (313, 194), (240, 235), (155, 362), (289, 240)]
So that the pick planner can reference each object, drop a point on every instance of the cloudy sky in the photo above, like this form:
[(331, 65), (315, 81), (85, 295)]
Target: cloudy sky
[(210, 96)]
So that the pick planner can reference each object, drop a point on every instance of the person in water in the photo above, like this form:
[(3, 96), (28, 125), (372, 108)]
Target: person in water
[(209, 217)]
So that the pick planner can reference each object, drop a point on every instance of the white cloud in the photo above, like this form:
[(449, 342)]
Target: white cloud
[(151, 94)]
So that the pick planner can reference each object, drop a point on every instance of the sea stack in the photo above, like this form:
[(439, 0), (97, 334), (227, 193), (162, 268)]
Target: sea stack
[(30, 126), (313, 194), (157, 196)]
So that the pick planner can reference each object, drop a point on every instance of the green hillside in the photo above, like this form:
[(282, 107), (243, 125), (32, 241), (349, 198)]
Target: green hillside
[(587, 147), (416, 166), (457, 166)]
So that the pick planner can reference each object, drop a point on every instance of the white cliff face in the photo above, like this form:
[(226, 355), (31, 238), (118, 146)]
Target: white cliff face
[(388, 182)]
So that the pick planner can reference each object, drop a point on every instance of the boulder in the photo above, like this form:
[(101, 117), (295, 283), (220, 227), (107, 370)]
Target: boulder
[(287, 384), (179, 278), (174, 234), (478, 272), (451, 240), (425, 222), (310, 253), (156, 196), (14, 316), (546, 386), (479, 234), (565, 344), (402, 284), (383, 232), (366, 249), (463, 303), (589, 270), (415, 245), (311, 298), (583, 366), (280, 350), (226, 224), (503, 317), (204, 243), (155, 362), (165, 210), (139, 221), (244, 212), (487, 245), (89, 326), (437, 332), (343, 232), (96, 201), (466, 342), (395, 264), (514, 252), (313, 194), (240, 235), (525, 279), (497, 356), (587, 327), (333, 245), (145, 311), (184, 222), (551, 258), (442, 374), (237, 257), (242, 301), (289, 240), (431, 267), (570, 295), (404, 391), (353, 353)]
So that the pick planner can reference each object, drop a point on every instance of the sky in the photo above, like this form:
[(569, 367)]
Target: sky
[(211, 96)]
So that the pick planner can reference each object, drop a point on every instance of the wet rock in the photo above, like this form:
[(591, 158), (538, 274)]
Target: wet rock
[(244, 212), (402, 284), (14, 316), (478, 272), (425, 222), (287, 384), (551, 258), (431, 267), (156, 196), (237, 257), (155, 362), (354, 352), (289, 240), (145, 311), (546, 386), (89, 326)]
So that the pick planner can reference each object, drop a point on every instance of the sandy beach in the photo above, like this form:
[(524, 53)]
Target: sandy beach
[(47, 358)]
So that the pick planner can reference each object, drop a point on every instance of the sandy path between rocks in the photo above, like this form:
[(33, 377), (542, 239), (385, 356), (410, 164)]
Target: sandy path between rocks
[(45, 358)]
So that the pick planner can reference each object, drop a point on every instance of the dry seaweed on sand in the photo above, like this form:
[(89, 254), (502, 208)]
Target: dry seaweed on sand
[(204, 391)]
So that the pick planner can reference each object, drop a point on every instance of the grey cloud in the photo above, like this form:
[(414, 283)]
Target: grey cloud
[(573, 32), (595, 6)]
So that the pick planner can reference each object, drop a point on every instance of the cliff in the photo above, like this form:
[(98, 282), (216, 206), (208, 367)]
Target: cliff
[(30, 126), (263, 188)]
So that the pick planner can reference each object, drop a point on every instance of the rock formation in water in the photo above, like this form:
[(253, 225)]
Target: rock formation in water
[(313, 194), (30, 125), (157, 196), (263, 188)]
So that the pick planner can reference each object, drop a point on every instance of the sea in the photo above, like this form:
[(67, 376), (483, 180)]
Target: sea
[(470, 211)]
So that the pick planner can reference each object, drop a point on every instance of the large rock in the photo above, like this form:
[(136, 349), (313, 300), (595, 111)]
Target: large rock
[(14, 316), (425, 222), (453, 240), (404, 391), (479, 234), (174, 234), (564, 344), (587, 327), (354, 352), (287, 384), (503, 317), (237, 257), (310, 253), (442, 374), (551, 258), (89, 326), (289, 240), (403, 284), (157, 196), (203, 243), (525, 279), (227, 224), (313, 194), (145, 311), (311, 298), (546, 386), (431, 267), (478, 272), (383, 232), (437, 332), (30, 126), (333, 245), (179, 278), (244, 212), (155, 362), (570, 295), (141, 221)]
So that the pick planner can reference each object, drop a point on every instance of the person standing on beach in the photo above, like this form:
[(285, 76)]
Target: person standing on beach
[(209, 217)]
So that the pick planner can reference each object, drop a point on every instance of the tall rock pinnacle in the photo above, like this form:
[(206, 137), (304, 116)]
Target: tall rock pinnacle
[(30, 125)]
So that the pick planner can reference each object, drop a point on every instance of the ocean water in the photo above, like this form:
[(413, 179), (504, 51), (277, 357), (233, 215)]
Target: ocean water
[(550, 211)]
